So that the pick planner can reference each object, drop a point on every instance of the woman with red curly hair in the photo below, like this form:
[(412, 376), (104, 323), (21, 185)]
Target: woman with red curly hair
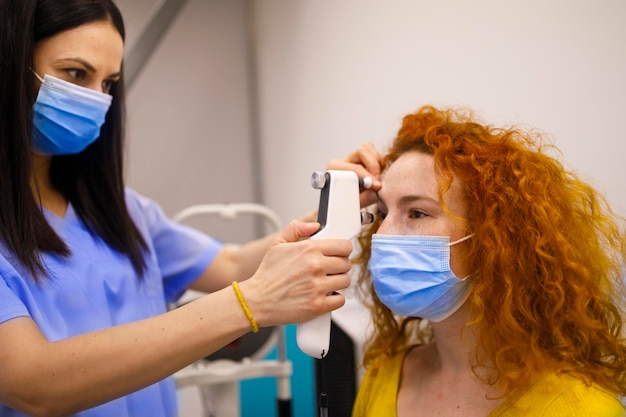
[(496, 279)]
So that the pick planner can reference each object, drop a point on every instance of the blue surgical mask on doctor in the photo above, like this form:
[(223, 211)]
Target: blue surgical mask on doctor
[(412, 275), (66, 117)]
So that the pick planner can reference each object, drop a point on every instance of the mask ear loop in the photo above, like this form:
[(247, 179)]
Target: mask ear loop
[(37, 75), (463, 239)]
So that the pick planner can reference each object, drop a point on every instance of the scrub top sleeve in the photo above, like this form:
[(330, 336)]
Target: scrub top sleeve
[(182, 252), (11, 284)]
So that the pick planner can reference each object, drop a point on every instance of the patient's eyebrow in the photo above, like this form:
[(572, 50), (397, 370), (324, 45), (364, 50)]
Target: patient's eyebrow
[(408, 199)]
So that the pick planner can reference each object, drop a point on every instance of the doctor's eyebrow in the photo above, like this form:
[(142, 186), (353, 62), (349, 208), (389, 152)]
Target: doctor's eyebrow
[(88, 66)]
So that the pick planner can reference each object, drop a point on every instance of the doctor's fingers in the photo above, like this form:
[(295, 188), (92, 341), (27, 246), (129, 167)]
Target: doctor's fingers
[(306, 299), (295, 231), (366, 161), (296, 235), (329, 265), (329, 298), (312, 264), (319, 294), (326, 247), (368, 156), (300, 263), (333, 283)]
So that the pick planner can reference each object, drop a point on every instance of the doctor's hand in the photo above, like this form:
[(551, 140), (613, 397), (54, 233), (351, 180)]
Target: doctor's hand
[(366, 161), (296, 275)]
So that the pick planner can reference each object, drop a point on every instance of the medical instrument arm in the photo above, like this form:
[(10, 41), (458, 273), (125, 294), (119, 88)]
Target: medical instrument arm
[(44, 378), (237, 263)]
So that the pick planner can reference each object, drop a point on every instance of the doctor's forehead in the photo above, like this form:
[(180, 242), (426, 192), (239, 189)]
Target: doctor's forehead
[(97, 43)]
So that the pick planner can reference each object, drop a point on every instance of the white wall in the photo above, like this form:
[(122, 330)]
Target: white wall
[(189, 122), (332, 74), (335, 73)]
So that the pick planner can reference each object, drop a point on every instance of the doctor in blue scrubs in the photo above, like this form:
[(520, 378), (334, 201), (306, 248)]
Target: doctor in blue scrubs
[(87, 265)]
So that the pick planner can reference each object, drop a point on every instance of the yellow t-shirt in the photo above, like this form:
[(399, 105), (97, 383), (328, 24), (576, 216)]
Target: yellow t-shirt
[(552, 396)]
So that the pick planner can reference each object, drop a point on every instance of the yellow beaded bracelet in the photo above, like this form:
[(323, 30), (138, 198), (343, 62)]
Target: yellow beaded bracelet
[(244, 306)]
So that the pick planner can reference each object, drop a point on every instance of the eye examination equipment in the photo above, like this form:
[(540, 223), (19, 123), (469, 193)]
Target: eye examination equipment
[(340, 218), (217, 378)]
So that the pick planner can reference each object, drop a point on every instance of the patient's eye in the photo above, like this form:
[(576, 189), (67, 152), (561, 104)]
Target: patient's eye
[(416, 214)]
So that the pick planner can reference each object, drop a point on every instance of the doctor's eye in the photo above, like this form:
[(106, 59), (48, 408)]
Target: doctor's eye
[(107, 85), (76, 74)]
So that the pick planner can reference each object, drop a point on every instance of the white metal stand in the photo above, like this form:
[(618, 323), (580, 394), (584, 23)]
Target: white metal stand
[(218, 380)]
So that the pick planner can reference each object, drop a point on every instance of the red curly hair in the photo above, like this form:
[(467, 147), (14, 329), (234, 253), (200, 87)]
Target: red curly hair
[(548, 255)]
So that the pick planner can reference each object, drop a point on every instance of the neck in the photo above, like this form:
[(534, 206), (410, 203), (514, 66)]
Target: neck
[(442, 378), (44, 191), (40, 179), (455, 343)]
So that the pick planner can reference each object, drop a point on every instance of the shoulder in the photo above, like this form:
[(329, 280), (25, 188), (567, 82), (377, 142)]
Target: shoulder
[(390, 363), (576, 396), (379, 388), (136, 201), (564, 395), (144, 211), (15, 287)]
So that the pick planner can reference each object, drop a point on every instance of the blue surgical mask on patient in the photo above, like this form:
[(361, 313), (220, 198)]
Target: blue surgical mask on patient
[(66, 117), (412, 276)]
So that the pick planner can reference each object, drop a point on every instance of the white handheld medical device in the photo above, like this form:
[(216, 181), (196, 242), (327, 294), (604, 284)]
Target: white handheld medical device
[(339, 216)]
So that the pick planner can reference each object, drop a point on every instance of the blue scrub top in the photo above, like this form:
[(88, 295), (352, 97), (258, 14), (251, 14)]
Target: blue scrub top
[(97, 288)]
